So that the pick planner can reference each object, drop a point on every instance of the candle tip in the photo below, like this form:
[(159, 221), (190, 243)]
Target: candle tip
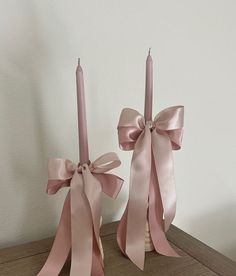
[(78, 61), (149, 51)]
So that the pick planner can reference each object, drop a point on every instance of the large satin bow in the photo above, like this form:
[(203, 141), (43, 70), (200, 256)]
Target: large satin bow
[(152, 188), (79, 225)]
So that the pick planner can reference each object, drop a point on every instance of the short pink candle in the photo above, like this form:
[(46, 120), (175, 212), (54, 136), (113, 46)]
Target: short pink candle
[(148, 88)]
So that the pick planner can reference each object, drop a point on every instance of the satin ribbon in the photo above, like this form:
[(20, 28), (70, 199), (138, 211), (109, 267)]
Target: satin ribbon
[(152, 188), (79, 225)]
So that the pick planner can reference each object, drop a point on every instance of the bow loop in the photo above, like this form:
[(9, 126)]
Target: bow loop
[(60, 168), (60, 172), (130, 126), (171, 121), (170, 118), (105, 163)]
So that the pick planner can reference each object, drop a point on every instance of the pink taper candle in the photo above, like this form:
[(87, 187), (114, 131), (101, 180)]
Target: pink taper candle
[(82, 123), (148, 117), (148, 88)]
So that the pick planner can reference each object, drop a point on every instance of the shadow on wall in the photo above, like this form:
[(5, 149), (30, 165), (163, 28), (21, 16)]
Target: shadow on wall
[(24, 134), (217, 229)]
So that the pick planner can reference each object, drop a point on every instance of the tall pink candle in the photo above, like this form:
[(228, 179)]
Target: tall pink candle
[(148, 88), (148, 117), (82, 123)]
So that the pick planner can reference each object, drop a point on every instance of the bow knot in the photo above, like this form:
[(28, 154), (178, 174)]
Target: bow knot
[(151, 125), (80, 167), (152, 164), (78, 229)]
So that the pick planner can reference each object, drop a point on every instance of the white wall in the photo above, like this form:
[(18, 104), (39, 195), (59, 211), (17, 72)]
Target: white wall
[(193, 46)]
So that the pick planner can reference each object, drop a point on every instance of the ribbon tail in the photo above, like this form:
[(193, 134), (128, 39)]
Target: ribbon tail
[(135, 220), (62, 244), (156, 222), (93, 192), (97, 267), (110, 183), (122, 231), (81, 228), (162, 151)]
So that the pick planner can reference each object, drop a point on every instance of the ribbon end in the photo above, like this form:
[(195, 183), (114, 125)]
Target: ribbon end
[(139, 264), (138, 259)]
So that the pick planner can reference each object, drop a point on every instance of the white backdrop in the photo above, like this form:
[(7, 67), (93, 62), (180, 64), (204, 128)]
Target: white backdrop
[(193, 47)]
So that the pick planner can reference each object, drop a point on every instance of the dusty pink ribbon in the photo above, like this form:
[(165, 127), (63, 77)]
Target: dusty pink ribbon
[(152, 188), (79, 225)]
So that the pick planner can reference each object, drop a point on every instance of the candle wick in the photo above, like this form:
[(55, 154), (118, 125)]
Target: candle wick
[(149, 51), (78, 61)]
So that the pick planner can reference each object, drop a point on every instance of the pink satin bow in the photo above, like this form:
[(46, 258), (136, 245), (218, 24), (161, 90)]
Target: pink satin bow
[(152, 188), (79, 225)]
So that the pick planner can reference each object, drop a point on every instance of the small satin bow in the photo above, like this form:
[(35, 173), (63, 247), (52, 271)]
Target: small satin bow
[(152, 188), (79, 225)]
